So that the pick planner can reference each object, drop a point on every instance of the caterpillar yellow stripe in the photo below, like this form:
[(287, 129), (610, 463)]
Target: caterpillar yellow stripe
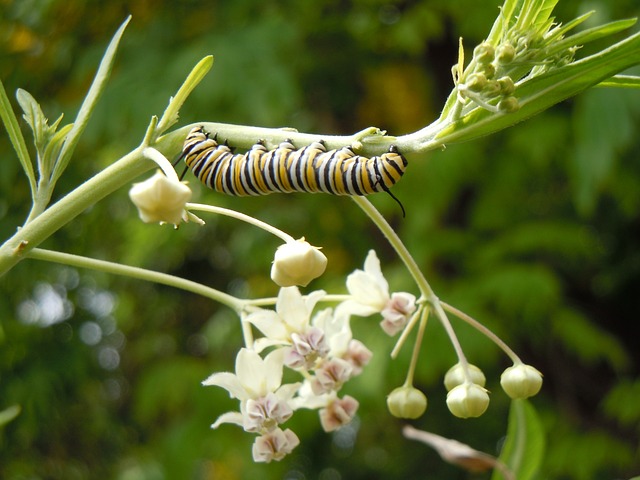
[(287, 169)]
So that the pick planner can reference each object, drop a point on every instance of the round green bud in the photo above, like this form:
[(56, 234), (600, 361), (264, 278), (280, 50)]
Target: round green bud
[(505, 53), (521, 381), (455, 376), (509, 105), (491, 89), (484, 53), (407, 402), (489, 69), (507, 87), (468, 400), (476, 82)]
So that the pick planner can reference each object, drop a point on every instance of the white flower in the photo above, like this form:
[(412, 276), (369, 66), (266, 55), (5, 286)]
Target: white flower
[(161, 199), (331, 375), (338, 413), (297, 263), (257, 384), (370, 294), (368, 288), (292, 315), (274, 445), (397, 311)]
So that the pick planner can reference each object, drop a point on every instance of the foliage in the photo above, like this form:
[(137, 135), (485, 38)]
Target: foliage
[(533, 230)]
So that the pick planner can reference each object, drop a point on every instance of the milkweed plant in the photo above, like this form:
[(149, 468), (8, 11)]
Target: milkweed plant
[(528, 62)]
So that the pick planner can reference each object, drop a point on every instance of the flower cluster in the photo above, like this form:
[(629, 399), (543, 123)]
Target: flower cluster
[(318, 345)]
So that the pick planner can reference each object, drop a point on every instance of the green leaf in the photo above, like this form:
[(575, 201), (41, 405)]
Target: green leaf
[(17, 140), (42, 132), (591, 34), (621, 81), (524, 447), (9, 414), (170, 115), (90, 101), (541, 92)]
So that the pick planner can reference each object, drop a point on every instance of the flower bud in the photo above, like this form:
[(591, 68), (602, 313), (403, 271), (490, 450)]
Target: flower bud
[(160, 199), (484, 53), (507, 87), (407, 402), (505, 53), (467, 400), (455, 376), (509, 105), (297, 263), (476, 82), (521, 381)]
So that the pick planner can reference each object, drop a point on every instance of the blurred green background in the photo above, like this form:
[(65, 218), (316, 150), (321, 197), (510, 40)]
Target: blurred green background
[(535, 232)]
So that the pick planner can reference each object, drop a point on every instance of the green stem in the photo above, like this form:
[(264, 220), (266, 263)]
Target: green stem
[(138, 273), (416, 348), (424, 287), (93, 190), (484, 330), (199, 207)]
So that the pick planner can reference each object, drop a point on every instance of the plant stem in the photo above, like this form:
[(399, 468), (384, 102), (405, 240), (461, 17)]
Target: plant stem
[(416, 348), (138, 273), (92, 191), (424, 287), (241, 216), (484, 330)]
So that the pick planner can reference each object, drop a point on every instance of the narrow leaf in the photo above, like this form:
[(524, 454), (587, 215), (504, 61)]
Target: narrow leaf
[(592, 34), (170, 115), (17, 140), (524, 447), (96, 89), (621, 81)]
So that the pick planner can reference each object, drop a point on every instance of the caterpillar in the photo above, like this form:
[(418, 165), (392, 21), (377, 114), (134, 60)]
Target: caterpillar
[(286, 169)]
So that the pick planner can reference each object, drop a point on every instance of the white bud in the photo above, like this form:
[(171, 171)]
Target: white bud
[(521, 381), (467, 400), (297, 263), (407, 402), (455, 376), (160, 199)]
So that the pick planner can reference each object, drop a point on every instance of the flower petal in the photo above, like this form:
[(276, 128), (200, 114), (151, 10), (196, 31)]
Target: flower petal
[(230, 417), (229, 382)]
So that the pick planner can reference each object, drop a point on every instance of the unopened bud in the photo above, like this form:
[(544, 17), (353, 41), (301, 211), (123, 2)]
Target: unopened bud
[(521, 381), (509, 105), (507, 87), (484, 53), (505, 53), (160, 199), (468, 400), (456, 376), (476, 82), (407, 402), (297, 263)]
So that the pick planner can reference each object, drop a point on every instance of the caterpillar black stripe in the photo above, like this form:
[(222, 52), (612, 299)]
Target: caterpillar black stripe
[(286, 169)]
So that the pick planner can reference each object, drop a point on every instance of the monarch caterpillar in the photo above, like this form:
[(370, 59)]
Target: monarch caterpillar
[(286, 169)]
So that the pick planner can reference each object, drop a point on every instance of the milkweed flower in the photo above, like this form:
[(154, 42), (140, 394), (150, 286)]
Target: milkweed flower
[(264, 402), (274, 445), (292, 315), (161, 199), (369, 292)]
